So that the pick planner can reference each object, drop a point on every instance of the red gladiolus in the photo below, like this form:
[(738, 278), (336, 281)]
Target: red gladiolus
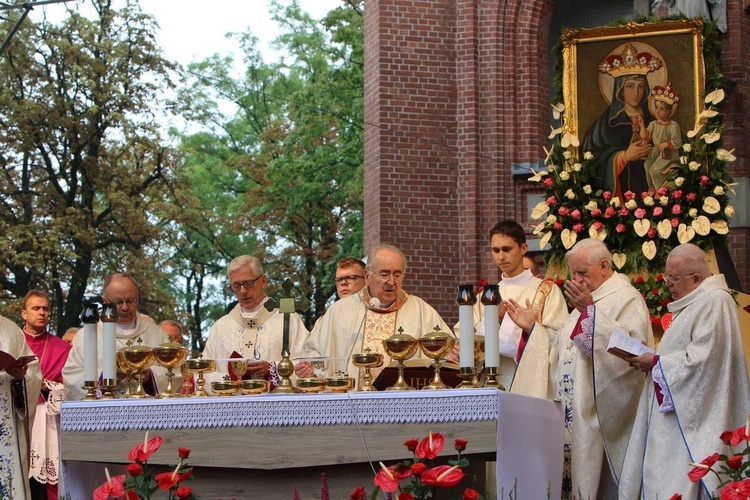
[(701, 469), (737, 490), (676, 496), (358, 494), (444, 476), (114, 488), (134, 470), (143, 451), (183, 492), (183, 452), (168, 479), (735, 462), (470, 494), (460, 445), (430, 446), (405, 496), (418, 468), (411, 444), (389, 477)]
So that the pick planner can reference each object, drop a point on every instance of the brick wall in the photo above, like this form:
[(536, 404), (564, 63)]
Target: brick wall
[(456, 93)]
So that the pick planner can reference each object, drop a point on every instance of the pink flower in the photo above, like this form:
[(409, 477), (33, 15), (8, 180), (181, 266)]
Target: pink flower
[(620, 228), (704, 180), (596, 212), (651, 232), (676, 209), (578, 227), (624, 211), (548, 182), (690, 197), (629, 195), (674, 222), (644, 195), (607, 195), (639, 213), (430, 446), (677, 194), (658, 211), (609, 212), (576, 214), (564, 211), (551, 200), (598, 225), (557, 226), (661, 191)]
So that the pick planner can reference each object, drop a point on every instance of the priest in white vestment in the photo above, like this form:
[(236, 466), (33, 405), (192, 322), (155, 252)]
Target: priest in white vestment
[(520, 289), (363, 320), (133, 328), (249, 330), (598, 390), (19, 389), (697, 386)]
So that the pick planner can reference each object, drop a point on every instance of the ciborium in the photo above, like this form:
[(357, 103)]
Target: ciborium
[(435, 345), (254, 386), (200, 366), (141, 358), (127, 369), (310, 384), (225, 387), (339, 383), (367, 360), (170, 355), (400, 347)]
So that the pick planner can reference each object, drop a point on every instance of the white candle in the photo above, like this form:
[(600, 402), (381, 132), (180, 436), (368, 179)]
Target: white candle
[(491, 336), (466, 334), (109, 348), (90, 368)]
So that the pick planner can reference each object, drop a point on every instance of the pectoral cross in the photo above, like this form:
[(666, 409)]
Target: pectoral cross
[(286, 305)]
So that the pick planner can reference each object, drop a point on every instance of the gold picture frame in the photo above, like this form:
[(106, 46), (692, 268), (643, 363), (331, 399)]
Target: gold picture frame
[(596, 61)]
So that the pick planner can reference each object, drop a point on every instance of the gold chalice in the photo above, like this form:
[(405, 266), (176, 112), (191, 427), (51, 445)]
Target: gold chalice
[(200, 366), (225, 387), (140, 357), (367, 360), (478, 359), (239, 369), (310, 384), (400, 347), (170, 355), (254, 386), (435, 345), (127, 369)]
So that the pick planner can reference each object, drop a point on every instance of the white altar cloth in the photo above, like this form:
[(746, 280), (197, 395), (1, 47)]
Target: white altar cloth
[(324, 429)]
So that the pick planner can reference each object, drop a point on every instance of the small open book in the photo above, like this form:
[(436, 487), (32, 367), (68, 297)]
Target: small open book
[(8, 360), (624, 346)]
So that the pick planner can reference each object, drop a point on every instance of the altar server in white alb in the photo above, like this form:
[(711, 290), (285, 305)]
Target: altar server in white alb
[(697, 386), (599, 391), (363, 320), (531, 306), (250, 330), (20, 382), (133, 328)]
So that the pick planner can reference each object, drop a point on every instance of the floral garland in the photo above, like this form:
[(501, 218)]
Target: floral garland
[(642, 228)]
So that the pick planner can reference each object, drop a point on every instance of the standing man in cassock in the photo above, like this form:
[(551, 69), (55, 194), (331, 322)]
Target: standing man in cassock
[(543, 302), (250, 330), (133, 328), (363, 320), (19, 390), (52, 352), (599, 391), (697, 386)]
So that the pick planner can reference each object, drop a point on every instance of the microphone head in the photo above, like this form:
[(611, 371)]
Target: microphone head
[(374, 303)]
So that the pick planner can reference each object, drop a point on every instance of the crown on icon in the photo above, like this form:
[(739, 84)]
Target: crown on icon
[(630, 62), (665, 94)]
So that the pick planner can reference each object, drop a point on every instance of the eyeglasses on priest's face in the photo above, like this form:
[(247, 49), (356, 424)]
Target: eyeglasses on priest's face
[(386, 276), (671, 280), (122, 302), (248, 284), (349, 278)]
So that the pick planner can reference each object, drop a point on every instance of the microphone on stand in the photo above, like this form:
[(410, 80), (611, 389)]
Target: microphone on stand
[(374, 303)]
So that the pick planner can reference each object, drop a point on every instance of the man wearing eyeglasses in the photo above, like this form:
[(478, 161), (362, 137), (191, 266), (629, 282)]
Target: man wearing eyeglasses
[(363, 320), (133, 328), (598, 391), (350, 276), (250, 330), (697, 385)]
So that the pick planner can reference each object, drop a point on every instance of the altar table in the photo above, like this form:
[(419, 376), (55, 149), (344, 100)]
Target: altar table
[(262, 446)]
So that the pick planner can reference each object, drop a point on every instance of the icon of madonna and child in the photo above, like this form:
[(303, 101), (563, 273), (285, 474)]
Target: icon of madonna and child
[(635, 141)]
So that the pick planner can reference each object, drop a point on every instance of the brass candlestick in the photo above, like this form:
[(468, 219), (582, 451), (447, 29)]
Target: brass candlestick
[(434, 345), (90, 386), (170, 355), (367, 360), (400, 347)]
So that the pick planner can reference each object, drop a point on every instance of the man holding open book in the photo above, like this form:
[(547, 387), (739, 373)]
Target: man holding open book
[(697, 388)]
